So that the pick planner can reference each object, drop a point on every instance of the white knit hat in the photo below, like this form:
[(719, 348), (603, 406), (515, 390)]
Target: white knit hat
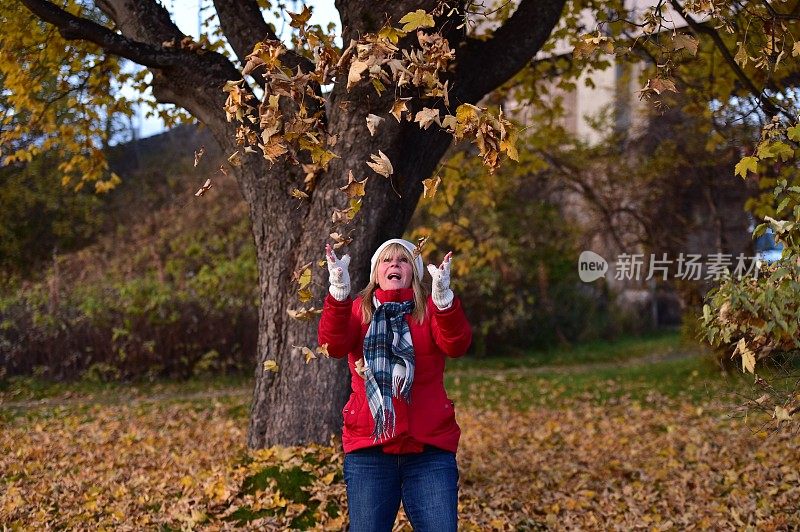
[(420, 267)]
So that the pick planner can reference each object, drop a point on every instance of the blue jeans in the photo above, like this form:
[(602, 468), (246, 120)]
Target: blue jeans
[(426, 482)]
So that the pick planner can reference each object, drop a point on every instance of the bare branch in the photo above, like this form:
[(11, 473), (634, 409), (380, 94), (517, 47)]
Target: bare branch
[(144, 20), (485, 65), (75, 28)]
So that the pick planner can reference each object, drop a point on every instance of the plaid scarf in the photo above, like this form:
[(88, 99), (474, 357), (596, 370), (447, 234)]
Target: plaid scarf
[(387, 344)]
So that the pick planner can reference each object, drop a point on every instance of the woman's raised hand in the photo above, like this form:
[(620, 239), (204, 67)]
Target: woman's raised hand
[(440, 287), (338, 276)]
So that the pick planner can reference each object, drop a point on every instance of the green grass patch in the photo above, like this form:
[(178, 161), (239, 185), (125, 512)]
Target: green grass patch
[(661, 343), (695, 379)]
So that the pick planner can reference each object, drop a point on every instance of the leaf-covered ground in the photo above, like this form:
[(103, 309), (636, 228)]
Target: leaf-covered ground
[(618, 453)]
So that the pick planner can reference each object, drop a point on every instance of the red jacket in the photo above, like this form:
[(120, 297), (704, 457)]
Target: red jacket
[(430, 418)]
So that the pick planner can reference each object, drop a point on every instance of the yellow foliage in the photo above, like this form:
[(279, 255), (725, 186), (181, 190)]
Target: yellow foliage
[(61, 93)]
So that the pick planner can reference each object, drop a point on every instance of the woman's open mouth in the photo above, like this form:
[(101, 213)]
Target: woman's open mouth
[(393, 277)]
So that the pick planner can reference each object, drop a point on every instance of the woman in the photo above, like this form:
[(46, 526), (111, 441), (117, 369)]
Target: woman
[(400, 434)]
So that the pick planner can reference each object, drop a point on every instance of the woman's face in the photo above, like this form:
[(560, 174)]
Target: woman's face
[(395, 271)]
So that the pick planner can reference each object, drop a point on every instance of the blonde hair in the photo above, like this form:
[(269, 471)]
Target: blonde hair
[(420, 296)]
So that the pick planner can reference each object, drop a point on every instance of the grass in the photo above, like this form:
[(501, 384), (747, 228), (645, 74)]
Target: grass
[(600, 351), (642, 368), (34, 389)]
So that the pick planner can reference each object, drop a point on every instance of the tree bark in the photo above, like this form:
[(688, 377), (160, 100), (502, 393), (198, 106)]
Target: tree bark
[(301, 402)]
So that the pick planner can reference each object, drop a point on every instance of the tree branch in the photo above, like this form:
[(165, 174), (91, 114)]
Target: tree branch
[(76, 28), (485, 65), (243, 25), (769, 107)]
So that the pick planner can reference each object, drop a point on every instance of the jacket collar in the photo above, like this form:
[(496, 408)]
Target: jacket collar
[(398, 295)]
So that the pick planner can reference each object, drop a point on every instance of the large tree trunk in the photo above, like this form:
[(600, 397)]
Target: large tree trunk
[(301, 402)]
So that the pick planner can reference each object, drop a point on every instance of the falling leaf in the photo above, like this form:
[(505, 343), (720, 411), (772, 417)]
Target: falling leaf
[(300, 19), (303, 313), (235, 159), (353, 188), (430, 186), (354, 75), (302, 275), (449, 122), (426, 117), (205, 188), (421, 241), (361, 368), (660, 85), (299, 194), (373, 122), (416, 19), (399, 107), (199, 155), (682, 41), (306, 352), (748, 357), (271, 365), (381, 164), (341, 240)]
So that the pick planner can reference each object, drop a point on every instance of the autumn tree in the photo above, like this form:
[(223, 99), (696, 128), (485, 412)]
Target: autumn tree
[(308, 132)]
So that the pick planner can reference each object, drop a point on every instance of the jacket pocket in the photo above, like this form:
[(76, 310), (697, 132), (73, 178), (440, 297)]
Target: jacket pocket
[(355, 420), (446, 417)]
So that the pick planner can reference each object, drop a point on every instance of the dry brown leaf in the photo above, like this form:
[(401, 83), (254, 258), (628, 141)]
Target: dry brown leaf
[(381, 164), (373, 122), (426, 117), (354, 189), (430, 186), (205, 188)]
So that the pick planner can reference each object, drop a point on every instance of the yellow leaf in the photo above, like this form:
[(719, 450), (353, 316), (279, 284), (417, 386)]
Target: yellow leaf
[(323, 350), (305, 295), (299, 194), (270, 365), (304, 314), (393, 35), (306, 352), (416, 19), (748, 357), (747, 164)]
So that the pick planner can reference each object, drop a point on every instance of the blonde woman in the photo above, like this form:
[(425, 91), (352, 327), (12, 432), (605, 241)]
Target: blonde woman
[(400, 435)]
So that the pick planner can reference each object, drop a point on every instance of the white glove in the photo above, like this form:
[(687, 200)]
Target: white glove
[(440, 288), (338, 276)]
